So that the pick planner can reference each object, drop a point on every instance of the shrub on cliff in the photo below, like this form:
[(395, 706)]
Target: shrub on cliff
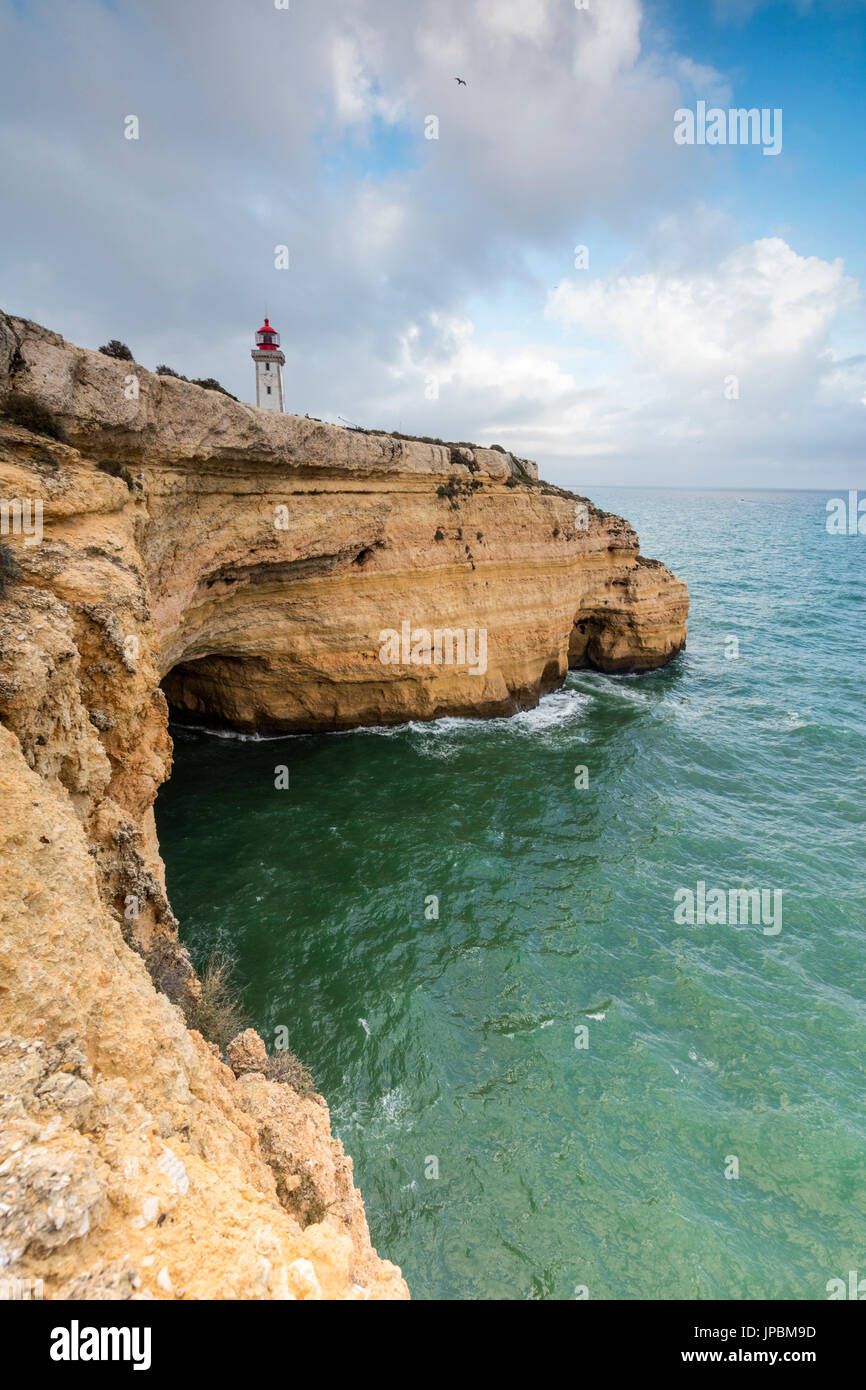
[(115, 348), (218, 1012), (117, 470), (8, 566), (521, 465), (32, 415), (286, 1068), (210, 383), (458, 458)]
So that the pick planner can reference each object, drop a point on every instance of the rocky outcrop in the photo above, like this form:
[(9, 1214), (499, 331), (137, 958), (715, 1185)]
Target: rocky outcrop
[(277, 550), (248, 566), (131, 1158)]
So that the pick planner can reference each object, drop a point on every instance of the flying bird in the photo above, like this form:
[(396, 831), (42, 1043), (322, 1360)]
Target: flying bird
[(460, 81)]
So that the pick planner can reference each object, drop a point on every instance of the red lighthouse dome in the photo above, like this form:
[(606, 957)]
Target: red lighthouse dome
[(267, 338)]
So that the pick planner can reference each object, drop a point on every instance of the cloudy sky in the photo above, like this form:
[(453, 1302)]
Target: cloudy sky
[(716, 336)]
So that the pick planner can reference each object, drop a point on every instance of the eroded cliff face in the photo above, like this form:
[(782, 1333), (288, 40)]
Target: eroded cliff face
[(276, 550), (132, 1161), (248, 567)]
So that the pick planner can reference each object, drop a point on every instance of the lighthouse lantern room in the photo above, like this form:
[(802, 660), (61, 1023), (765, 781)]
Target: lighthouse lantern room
[(269, 360)]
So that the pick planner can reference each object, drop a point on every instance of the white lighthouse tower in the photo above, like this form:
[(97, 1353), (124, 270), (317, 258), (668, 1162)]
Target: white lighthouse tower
[(269, 360)]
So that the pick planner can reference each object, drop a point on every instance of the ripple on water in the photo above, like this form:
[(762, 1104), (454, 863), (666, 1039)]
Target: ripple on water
[(441, 919)]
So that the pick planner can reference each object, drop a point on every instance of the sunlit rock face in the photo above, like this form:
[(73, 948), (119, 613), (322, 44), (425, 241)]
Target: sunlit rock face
[(277, 550)]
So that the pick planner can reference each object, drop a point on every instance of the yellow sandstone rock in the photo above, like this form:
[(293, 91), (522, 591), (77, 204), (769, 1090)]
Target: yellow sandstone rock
[(246, 567)]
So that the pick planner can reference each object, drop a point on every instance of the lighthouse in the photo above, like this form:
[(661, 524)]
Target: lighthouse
[(269, 360)]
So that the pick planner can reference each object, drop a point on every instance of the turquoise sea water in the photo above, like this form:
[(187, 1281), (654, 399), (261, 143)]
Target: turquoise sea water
[(454, 1039)]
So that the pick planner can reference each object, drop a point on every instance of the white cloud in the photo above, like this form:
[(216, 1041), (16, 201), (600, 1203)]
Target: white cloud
[(305, 127), (351, 87), (639, 390), (517, 19), (763, 306), (485, 368), (765, 316), (705, 82), (611, 43)]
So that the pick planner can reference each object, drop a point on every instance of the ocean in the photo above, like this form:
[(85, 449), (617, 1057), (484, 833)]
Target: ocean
[(550, 1086)]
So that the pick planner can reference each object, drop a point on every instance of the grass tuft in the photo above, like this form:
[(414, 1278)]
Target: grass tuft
[(218, 1012)]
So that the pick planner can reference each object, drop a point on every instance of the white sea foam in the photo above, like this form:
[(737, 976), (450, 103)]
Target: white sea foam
[(793, 720), (233, 734), (552, 711), (394, 1104)]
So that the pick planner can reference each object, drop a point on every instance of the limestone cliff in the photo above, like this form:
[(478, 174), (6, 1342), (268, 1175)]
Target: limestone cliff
[(245, 565)]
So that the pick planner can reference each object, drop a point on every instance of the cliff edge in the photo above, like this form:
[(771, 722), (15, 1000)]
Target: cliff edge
[(177, 546)]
